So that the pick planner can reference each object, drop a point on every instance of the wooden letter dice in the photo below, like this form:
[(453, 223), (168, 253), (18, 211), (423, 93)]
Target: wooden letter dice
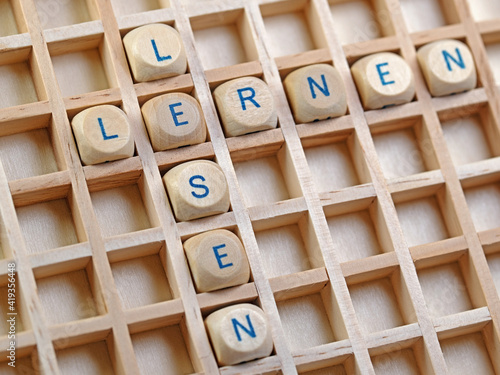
[(102, 134), (155, 51), (197, 189), (217, 260), (174, 120), (239, 333), (245, 105), (315, 92), (383, 79), (448, 67)]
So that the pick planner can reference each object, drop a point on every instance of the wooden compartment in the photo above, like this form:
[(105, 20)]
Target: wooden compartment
[(230, 33), (492, 45), (358, 232), (360, 20), (404, 148), (291, 20), (335, 162), (381, 301), (82, 68), (287, 245), (123, 8), (91, 358), (162, 350), (483, 9), (20, 325), (334, 370), (11, 21), (24, 365), (484, 205), (423, 15), (54, 14), (407, 358), (427, 216), (494, 265)]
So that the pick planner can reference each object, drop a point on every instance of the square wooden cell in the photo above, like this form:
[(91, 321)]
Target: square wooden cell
[(379, 305), (332, 370), (423, 15), (120, 210), (93, 358), (493, 53), (494, 264), (484, 9), (401, 362), (54, 14), (17, 84), (28, 154), (467, 354), (287, 246), (48, 225), (125, 7), (162, 351), (292, 27), (427, 219), (306, 322), (82, 71), (141, 281), (404, 149), (8, 24), (358, 234), (484, 206), (265, 180), (359, 20), (223, 39), (67, 297), (445, 290)]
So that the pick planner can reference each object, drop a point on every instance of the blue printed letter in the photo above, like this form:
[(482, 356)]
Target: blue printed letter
[(176, 114), (198, 186), (103, 131), (250, 331), (250, 97), (459, 61), (381, 74), (324, 89), (157, 54), (220, 256)]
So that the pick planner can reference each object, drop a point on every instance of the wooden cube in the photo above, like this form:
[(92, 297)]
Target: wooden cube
[(246, 105), (239, 333), (197, 189), (315, 92), (103, 134), (155, 51), (174, 120), (448, 67), (217, 260), (383, 79)]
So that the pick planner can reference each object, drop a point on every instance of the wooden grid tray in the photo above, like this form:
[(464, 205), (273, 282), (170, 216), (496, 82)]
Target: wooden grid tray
[(373, 239)]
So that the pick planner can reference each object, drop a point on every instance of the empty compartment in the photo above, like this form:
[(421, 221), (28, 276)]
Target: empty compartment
[(471, 137), (423, 15), (92, 358), (267, 179), (162, 351), (382, 303), (10, 15), (81, 71), (122, 8), (333, 370), (18, 79), (400, 362), (291, 27), (493, 53), (121, 209), (312, 309), (68, 296), (467, 354), (404, 148), (230, 33), (484, 9), (54, 14), (357, 234), (484, 206), (50, 224), (360, 20), (141, 281), (427, 217), (494, 264), (445, 288), (335, 163), (287, 245)]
